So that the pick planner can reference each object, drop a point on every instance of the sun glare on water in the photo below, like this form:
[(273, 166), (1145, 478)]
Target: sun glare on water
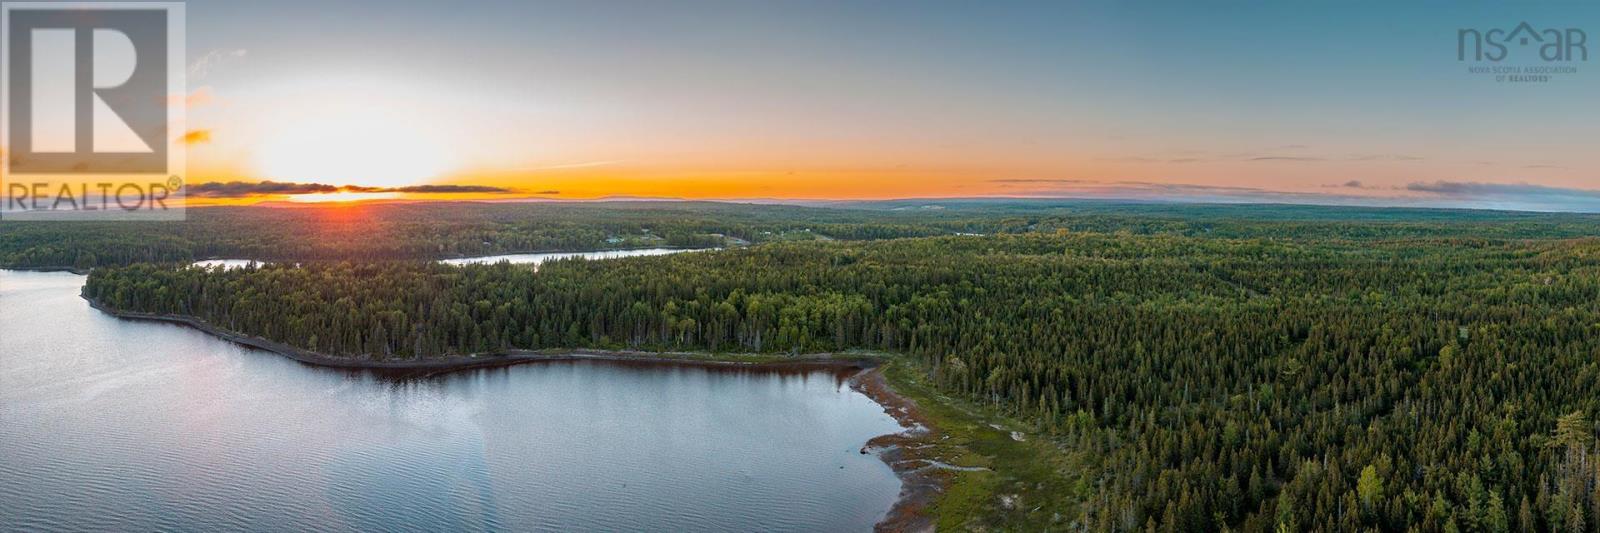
[(352, 147)]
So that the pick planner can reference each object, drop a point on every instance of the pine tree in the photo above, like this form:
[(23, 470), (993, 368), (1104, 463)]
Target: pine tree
[(1370, 488)]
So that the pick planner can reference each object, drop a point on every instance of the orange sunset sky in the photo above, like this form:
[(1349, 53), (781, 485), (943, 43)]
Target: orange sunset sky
[(1318, 103)]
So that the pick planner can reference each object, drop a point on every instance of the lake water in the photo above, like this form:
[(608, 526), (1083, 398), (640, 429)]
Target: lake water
[(227, 264), (108, 424), (536, 259)]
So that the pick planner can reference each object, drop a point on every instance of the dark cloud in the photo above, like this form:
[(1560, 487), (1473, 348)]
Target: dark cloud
[(236, 189), (1354, 184), (1482, 188), (444, 189), (239, 189)]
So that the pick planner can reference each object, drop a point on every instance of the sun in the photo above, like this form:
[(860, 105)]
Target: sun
[(366, 147), (341, 197)]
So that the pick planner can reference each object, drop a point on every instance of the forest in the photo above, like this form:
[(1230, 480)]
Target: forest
[(1257, 368), (441, 230), (373, 232)]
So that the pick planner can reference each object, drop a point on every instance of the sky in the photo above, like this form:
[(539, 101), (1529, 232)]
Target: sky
[(1316, 102)]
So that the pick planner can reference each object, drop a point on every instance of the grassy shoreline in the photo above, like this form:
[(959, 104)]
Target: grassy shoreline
[(998, 475)]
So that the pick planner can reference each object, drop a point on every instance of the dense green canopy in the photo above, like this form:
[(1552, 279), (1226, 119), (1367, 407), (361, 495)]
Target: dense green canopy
[(1332, 376)]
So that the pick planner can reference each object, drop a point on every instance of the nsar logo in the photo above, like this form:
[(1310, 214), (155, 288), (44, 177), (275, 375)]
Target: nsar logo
[(1568, 44)]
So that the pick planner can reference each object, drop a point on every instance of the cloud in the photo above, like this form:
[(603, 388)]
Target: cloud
[(1285, 158), (585, 164), (1129, 188), (202, 96), (1040, 180), (1436, 194), (1446, 187), (1557, 167), (197, 98), (1186, 188), (213, 60), (1178, 157), (240, 189), (1384, 157), (194, 137), (1478, 187), (439, 189), (1287, 152), (1513, 196), (547, 193), (1131, 159)]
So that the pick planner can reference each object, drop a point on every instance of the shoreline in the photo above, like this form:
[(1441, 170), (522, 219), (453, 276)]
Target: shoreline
[(918, 486), (438, 365), (74, 270)]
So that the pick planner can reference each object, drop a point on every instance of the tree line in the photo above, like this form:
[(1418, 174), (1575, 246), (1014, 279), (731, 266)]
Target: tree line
[(438, 230)]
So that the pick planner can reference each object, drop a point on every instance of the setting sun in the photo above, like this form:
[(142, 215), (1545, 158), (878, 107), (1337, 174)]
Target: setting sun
[(342, 196), (352, 147)]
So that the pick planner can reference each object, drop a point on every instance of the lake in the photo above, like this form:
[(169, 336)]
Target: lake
[(109, 424), (536, 259), (227, 264)]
